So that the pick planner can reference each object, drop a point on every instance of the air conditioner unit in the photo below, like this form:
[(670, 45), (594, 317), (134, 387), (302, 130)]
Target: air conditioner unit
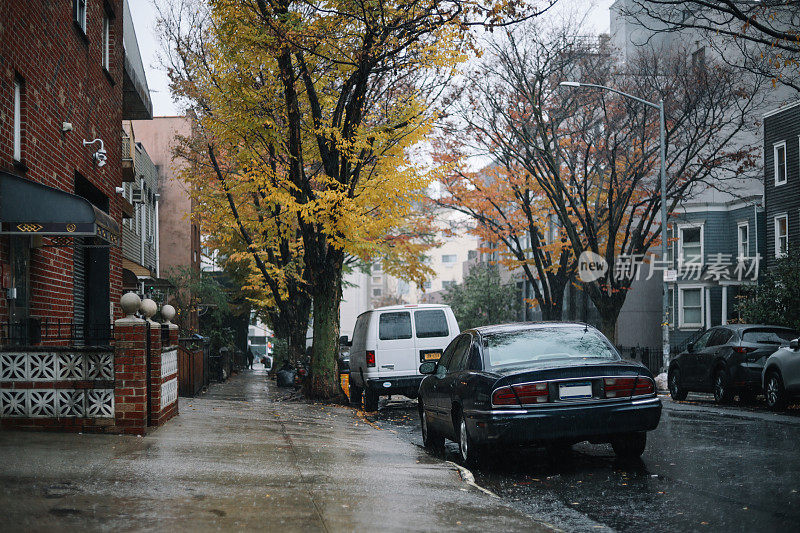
[(137, 196)]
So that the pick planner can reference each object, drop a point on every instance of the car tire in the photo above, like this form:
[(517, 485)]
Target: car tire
[(774, 391), (629, 445), (722, 388), (370, 400), (472, 454), (355, 394), (676, 392), (431, 438)]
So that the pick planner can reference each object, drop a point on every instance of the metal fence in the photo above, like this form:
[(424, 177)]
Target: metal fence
[(45, 332), (652, 358)]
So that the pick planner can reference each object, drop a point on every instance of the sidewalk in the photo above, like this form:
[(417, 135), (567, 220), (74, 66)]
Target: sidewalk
[(233, 460)]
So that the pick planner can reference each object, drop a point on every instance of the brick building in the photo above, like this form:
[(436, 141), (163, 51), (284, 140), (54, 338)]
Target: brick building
[(65, 79)]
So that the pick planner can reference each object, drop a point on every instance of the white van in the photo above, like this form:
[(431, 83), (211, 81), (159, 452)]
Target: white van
[(389, 344)]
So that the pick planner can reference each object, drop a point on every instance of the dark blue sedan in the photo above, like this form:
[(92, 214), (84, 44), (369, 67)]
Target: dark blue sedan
[(536, 383)]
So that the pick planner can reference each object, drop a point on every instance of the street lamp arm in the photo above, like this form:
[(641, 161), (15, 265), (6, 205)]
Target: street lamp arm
[(613, 90)]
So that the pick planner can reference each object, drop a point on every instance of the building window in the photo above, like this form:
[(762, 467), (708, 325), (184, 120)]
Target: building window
[(691, 307), (781, 235), (80, 13), (743, 239), (426, 284), (106, 42), (449, 258), (377, 279), (779, 153), (377, 267), (377, 292), (671, 307), (18, 120), (691, 244), (195, 255), (448, 284)]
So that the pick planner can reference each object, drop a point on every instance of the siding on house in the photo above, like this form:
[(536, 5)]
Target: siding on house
[(135, 236), (783, 125)]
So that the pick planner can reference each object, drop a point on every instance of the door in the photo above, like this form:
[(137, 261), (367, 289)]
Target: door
[(394, 351), (706, 357), (448, 382), (435, 403), (430, 334), (691, 367)]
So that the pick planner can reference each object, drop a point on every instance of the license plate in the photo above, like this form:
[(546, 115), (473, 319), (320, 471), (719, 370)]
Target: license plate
[(432, 356), (575, 391)]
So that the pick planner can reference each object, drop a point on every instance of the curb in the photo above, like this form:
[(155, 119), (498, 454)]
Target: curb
[(469, 479)]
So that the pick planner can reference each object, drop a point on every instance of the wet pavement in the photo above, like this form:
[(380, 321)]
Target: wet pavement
[(242, 458), (706, 468)]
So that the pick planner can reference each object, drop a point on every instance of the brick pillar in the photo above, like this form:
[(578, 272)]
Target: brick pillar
[(130, 377), (173, 334)]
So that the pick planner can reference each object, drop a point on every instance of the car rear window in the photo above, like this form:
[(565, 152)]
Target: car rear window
[(769, 335), (532, 347), (430, 323), (394, 326)]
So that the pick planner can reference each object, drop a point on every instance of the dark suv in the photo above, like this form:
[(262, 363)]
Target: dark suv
[(726, 360)]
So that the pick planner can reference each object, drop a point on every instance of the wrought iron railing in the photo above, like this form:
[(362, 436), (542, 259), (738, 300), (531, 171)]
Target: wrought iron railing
[(52, 332)]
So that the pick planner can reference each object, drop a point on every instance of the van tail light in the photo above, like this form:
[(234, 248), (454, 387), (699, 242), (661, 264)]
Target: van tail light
[(743, 349), (626, 387), (370, 357), (532, 392), (504, 396)]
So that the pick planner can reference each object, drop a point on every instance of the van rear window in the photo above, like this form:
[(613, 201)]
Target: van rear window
[(393, 326), (431, 323)]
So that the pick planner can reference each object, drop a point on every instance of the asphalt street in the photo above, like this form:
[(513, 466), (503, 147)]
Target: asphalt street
[(706, 468)]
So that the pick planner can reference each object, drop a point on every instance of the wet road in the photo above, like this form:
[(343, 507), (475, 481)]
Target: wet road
[(706, 468)]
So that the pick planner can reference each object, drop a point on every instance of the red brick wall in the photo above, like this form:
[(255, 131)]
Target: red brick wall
[(64, 81), (130, 376)]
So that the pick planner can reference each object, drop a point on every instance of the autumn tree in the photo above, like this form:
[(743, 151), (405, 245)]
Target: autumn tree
[(319, 103), (512, 217), (594, 154), (760, 37)]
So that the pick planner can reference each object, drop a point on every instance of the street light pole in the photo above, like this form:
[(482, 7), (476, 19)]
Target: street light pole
[(663, 172)]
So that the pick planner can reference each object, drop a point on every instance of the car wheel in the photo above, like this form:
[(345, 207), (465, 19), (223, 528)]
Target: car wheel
[(431, 439), (722, 389), (355, 394), (471, 453), (629, 445), (676, 392), (370, 400), (774, 392)]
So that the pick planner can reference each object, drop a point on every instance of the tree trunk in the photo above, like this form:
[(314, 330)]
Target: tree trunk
[(297, 341), (608, 322), (324, 360)]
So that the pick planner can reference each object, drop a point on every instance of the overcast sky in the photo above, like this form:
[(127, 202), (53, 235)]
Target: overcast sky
[(144, 18)]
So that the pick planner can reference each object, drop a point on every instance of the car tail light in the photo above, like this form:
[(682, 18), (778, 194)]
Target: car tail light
[(619, 387), (624, 387), (532, 392), (504, 396), (644, 385), (743, 349), (370, 358)]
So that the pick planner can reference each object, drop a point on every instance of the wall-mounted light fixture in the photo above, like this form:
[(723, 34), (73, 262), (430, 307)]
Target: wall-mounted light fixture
[(100, 155)]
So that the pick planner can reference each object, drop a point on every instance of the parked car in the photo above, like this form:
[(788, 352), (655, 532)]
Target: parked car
[(536, 383), (781, 376), (726, 360), (388, 345)]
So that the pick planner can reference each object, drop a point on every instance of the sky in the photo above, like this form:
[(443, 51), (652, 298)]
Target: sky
[(145, 13)]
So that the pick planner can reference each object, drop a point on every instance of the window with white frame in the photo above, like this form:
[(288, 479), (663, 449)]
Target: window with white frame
[(779, 153), (691, 244), (18, 120), (690, 303), (426, 284), (449, 258), (106, 44), (376, 292), (781, 223), (743, 239), (79, 13)]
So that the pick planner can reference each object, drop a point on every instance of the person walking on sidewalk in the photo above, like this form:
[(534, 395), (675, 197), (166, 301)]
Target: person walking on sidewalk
[(250, 357)]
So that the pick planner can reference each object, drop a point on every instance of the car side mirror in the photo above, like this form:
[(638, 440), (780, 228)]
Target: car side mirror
[(690, 347), (344, 341), (428, 367), (794, 344)]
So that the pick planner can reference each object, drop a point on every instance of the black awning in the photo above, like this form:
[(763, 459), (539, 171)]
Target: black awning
[(30, 208)]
